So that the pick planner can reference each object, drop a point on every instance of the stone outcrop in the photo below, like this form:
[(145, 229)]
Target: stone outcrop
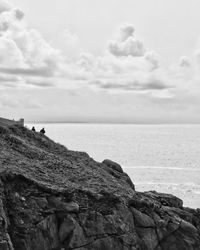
[(52, 198)]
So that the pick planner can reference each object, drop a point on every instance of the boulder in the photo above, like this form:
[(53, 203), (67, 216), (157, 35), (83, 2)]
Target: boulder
[(113, 165)]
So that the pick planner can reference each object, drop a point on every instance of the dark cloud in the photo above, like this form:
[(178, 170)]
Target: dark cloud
[(40, 83), (134, 85), (6, 78), (19, 14), (184, 62), (48, 70)]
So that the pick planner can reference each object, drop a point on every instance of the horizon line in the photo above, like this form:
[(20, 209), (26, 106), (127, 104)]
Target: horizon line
[(106, 122)]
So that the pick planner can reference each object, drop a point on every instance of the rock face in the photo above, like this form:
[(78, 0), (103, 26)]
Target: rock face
[(52, 198)]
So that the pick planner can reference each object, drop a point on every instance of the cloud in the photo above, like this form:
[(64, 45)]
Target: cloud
[(10, 54), (127, 65), (48, 70), (128, 68), (23, 51), (69, 44), (9, 81), (19, 14), (132, 85), (40, 82), (5, 6), (136, 82), (126, 31), (184, 61), (28, 60), (153, 58), (126, 44), (35, 50), (86, 61), (11, 21)]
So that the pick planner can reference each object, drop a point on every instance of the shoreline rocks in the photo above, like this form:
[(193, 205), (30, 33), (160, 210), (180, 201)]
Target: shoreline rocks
[(57, 199)]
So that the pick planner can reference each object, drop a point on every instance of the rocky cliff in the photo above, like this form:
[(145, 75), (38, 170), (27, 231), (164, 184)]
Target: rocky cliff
[(52, 198)]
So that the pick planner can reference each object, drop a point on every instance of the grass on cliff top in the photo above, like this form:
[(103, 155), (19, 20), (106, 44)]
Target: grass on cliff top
[(53, 166)]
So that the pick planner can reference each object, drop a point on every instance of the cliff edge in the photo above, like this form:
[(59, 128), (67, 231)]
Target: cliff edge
[(52, 198)]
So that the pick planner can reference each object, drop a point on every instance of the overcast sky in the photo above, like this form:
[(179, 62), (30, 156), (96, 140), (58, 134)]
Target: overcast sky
[(100, 61)]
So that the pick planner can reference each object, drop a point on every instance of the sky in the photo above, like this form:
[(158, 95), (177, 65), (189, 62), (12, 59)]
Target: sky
[(118, 61)]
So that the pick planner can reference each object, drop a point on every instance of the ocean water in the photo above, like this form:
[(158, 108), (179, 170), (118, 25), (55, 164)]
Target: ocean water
[(165, 158)]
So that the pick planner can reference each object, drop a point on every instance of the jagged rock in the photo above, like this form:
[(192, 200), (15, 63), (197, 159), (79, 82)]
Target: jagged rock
[(52, 198)]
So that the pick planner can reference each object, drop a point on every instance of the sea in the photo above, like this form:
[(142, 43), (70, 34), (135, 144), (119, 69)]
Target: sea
[(164, 158)]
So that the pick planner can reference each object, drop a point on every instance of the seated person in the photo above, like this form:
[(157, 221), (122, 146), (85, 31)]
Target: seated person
[(42, 131), (33, 129)]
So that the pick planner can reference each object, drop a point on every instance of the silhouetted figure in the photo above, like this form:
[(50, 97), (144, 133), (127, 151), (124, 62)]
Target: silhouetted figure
[(42, 131), (33, 129)]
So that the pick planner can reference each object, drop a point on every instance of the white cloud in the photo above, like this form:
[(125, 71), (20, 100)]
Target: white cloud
[(129, 68), (10, 54), (11, 20), (86, 61), (126, 44), (4, 6), (126, 31), (27, 59), (23, 51), (35, 50), (137, 83), (69, 44), (153, 58)]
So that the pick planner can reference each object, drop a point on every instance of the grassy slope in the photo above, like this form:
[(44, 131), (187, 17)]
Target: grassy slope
[(53, 166)]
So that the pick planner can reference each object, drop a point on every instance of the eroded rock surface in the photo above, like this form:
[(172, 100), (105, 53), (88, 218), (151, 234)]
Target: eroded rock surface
[(52, 198)]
